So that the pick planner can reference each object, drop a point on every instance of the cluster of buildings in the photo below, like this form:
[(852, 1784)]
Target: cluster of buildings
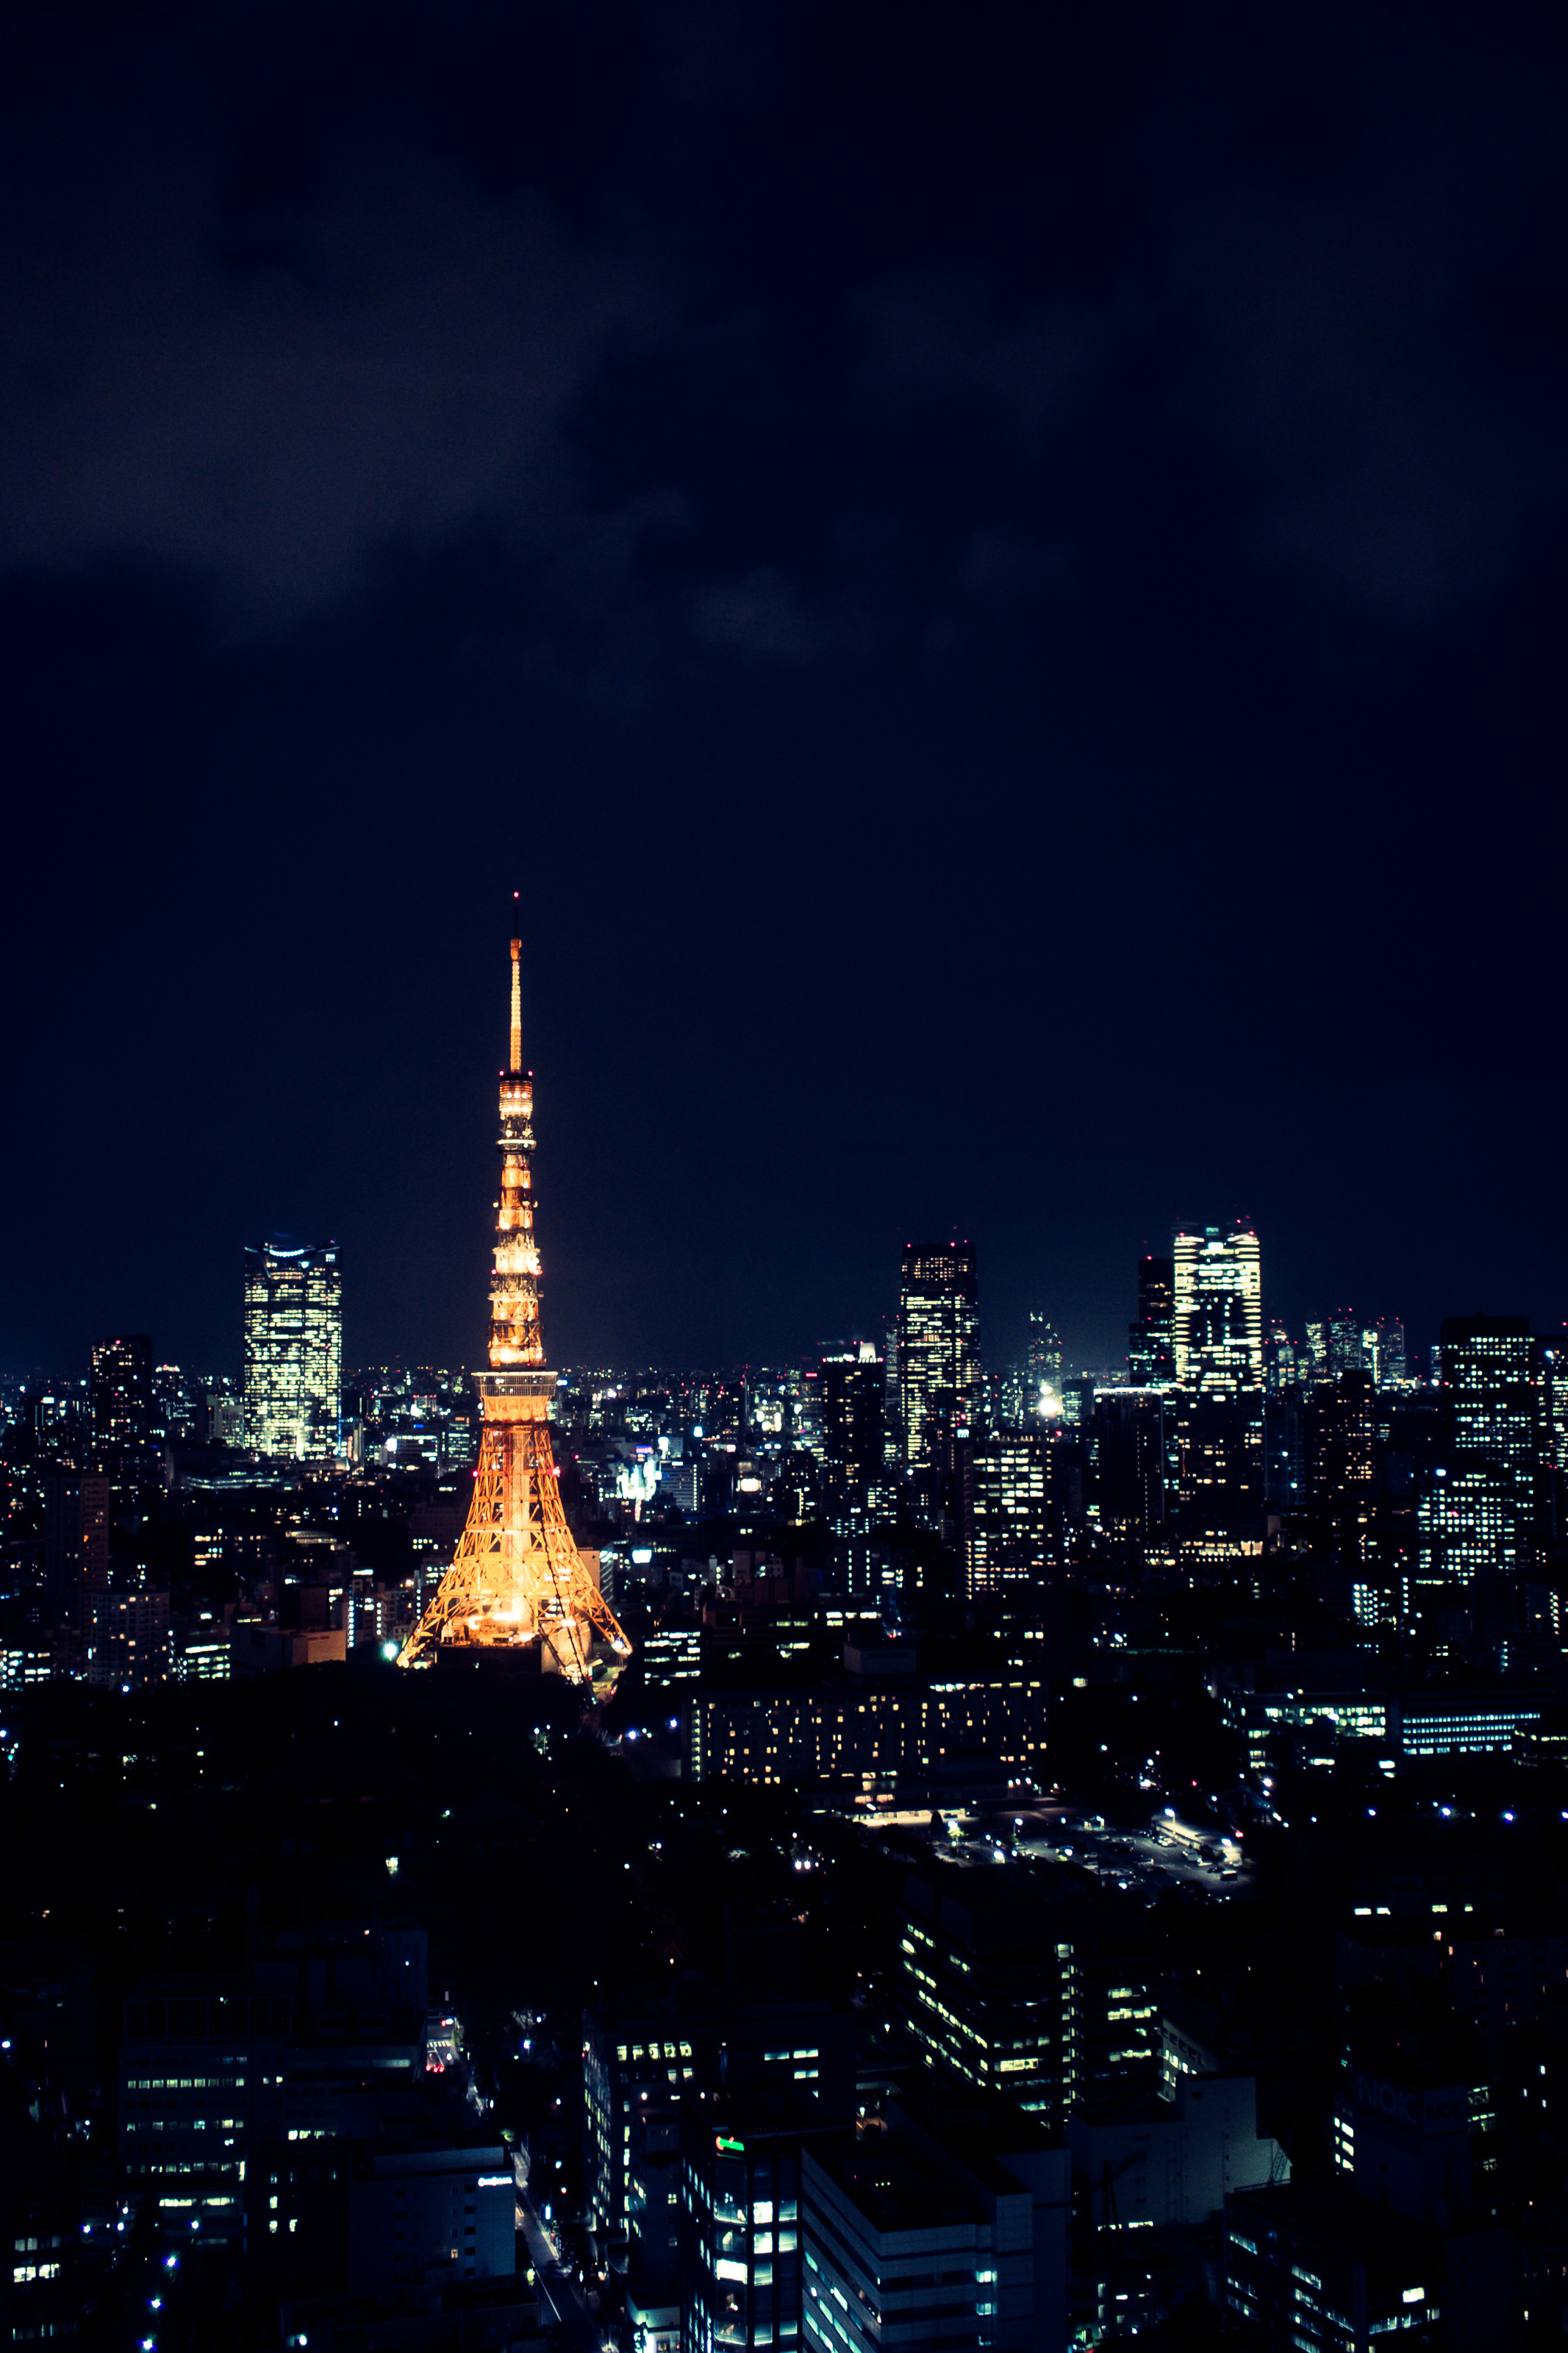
[(1282, 2045)]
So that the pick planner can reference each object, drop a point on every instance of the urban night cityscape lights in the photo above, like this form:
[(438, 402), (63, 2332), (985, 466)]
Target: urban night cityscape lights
[(952, 1760), (518, 1579)]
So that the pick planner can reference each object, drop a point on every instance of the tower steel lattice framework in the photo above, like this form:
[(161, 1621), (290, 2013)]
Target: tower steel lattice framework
[(518, 1577)]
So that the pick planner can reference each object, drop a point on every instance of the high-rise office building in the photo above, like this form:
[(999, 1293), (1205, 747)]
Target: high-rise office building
[(939, 1346), (1347, 1352), (1042, 1360), (1480, 1509), (1006, 1538), (852, 1399), (988, 1977), (1217, 1311), (1383, 1351), (1150, 1341), (1339, 1434), (1217, 1332), (946, 2227), (1127, 1434), (1280, 1369), (121, 1399), (293, 1348)]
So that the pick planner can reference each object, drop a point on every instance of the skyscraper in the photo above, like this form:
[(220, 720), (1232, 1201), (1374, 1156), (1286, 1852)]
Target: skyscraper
[(1480, 1515), (1150, 1341), (1128, 1439), (939, 1346), (1217, 1311), (1217, 1334), (293, 1348), (1006, 1538), (852, 1401), (121, 1398), (1043, 1359), (1347, 1352), (1384, 1350)]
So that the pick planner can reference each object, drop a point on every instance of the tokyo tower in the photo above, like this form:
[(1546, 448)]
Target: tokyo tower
[(518, 1578)]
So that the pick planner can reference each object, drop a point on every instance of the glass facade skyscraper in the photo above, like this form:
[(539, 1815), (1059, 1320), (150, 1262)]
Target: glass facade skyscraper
[(120, 1394), (1218, 1337), (939, 1346), (1150, 1342), (293, 1348), (1479, 1514), (1217, 1311), (852, 1444), (1006, 1542)]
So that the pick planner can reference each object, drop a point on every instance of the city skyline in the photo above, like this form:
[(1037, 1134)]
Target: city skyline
[(1098, 1340), (881, 1657)]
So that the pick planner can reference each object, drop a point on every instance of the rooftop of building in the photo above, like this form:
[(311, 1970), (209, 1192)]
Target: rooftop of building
[(932, 2161), (1338, 2220), (889, 2181)]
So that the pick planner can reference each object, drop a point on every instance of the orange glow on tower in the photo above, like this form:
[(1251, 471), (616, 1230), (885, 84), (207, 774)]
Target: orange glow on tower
[(518, 1578)]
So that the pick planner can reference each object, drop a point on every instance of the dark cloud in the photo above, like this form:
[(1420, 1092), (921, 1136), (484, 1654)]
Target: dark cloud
[(1358, 254), (766, 615), (400, 372), (974, 560), (1001, 564)]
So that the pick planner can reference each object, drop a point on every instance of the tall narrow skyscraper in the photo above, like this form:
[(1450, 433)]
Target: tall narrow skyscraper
[(121, 1396), (1151, 1343), (1479, 1517), (1217, 1311), (293, 1348), (852, 1404), (939, 1346), (1217, 1337)]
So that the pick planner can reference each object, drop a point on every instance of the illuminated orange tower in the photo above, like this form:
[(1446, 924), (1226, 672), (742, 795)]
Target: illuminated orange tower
[(518, 1578)]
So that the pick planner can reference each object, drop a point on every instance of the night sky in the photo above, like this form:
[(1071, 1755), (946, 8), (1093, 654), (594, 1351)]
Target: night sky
[(993, 575)]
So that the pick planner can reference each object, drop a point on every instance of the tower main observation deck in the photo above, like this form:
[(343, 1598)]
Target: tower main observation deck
[(518, 1578)]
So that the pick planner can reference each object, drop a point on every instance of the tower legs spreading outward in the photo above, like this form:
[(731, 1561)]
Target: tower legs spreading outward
[(518, 1579)]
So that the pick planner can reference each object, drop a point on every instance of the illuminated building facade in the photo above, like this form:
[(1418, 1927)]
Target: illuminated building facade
[(642, 2055), (200, 2079), (1217, 1313), (1479, 1512), (1127, 1436), (1006, 1541), (1150, 1341), (1217, 1343), (939, 1346), (518, 1581), (293, 1349), (1347, 1352), (1383, 1347), (931, 2235), (1339, 1433), (852, 1390), (1042, 1362), (989, 1980), (121, 1403), (127, 1639), (77, 1510), (739, 2231), (833, 1735)]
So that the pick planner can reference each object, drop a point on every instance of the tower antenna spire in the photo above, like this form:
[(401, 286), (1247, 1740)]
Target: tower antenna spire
[(516, 981), (518, 1581)]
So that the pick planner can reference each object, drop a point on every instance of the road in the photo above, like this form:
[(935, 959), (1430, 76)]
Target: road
[(560, 2297)]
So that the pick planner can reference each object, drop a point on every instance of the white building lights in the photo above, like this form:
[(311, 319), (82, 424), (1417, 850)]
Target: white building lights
[(293, 1349)]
